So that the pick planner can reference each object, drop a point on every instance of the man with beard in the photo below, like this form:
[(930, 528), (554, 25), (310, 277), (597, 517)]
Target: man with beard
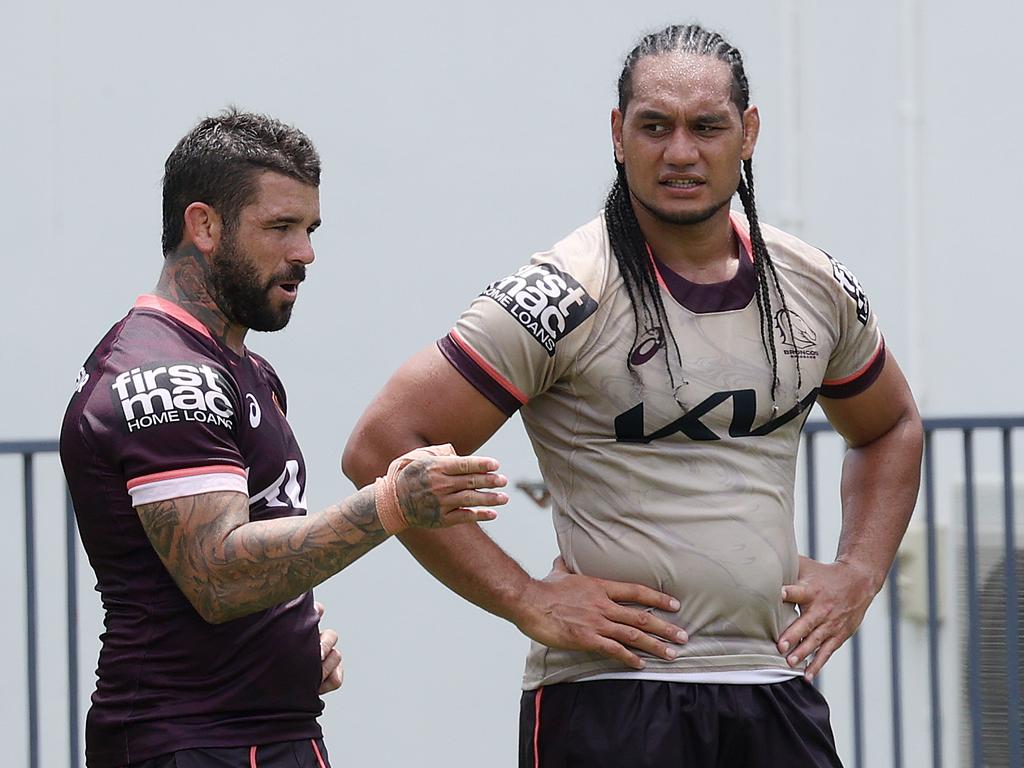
[(190, 489), (664, 357)]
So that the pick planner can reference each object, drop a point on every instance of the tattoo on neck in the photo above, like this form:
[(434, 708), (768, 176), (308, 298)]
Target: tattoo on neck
[(184, 280)]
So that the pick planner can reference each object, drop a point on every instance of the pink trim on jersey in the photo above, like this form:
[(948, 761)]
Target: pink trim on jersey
[(148, 301), (536, 728), (742, 235), (504, 383), (319, 758), (191, 472), (860, 371), (252, 757)]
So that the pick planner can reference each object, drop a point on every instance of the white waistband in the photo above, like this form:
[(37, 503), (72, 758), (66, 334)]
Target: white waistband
[(730, 677)]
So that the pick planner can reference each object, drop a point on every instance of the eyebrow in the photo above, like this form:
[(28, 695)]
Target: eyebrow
[(291, 219)]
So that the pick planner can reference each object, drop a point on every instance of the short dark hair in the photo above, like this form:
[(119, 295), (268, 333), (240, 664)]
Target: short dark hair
[(218, 161)]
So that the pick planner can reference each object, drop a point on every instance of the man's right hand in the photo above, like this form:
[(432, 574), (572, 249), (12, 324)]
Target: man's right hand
[(436, 488), (576, 612)]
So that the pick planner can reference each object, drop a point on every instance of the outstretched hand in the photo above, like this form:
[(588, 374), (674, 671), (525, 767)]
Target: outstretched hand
[(833, 599), (579, 612), (436, 488)]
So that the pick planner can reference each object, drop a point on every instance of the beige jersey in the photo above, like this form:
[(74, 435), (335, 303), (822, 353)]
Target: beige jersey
[(687, 488)]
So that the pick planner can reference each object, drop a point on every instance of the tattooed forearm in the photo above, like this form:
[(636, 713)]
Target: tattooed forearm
[(229, 567)]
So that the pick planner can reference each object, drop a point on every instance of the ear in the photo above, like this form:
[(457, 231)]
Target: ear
[(203, 226), (751, 127), (617, 119)]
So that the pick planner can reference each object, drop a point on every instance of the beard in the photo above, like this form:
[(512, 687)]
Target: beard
[(692, 217), (235, 285)]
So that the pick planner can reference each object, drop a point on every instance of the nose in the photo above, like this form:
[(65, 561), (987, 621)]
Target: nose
[(681, 148), (303, 252)]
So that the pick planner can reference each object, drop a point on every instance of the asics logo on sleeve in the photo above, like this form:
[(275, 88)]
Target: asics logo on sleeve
[(255, 414), (172, 393), (546, 301)]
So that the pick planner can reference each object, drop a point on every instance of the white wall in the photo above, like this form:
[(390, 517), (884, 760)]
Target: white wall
[(457, 138)]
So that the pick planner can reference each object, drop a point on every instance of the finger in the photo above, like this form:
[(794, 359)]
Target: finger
[(612, 649), (810, 644), (475, 499), (821, 656), (461, 516), (558, 564), (798, 593), (799, 629), (488, 480), (333, 681), (319, 608), (328, 639), (330, 663), (624, 592), (631, 637), (648, 623), (464, 465)]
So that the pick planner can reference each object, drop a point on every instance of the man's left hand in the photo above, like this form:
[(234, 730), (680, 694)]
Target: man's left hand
[(832, 598), (332, 672)]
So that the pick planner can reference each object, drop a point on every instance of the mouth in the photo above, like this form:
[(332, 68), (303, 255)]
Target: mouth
[(290, 289), (682, 183)]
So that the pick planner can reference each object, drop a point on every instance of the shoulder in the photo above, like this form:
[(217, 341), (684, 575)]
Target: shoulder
[(584, 254), (806, 262), (264, 369)]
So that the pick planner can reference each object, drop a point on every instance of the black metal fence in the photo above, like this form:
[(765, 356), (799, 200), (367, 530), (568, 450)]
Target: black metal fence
[(980, 749)]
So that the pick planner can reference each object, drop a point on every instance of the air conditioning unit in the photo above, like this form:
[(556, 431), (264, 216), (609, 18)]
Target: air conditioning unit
[(991, 603)]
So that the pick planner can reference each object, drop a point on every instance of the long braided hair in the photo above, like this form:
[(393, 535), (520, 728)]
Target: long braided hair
[(628, 241)]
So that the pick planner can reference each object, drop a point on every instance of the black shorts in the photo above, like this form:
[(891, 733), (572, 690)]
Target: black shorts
[(304, 753), (651, 724)]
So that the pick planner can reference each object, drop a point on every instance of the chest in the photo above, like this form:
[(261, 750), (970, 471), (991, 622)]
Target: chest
[(705, 377), (275, 468)]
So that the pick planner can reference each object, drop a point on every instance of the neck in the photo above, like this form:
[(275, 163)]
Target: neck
[(184, 280), (703, 253)]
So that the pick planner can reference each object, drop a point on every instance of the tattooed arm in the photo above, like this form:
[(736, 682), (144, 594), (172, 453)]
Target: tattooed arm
[(228, 566)]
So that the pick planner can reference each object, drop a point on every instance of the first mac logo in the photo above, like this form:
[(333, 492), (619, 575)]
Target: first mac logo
[(172, 393), (546, 301)]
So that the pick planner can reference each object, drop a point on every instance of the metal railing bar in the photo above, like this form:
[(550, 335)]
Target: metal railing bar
[(812, 499), (973, 625), (933, 600), (937, 424), (70, 543), (858, 705), (30, 610), (894, 665), (28, 446), (1012, 662)]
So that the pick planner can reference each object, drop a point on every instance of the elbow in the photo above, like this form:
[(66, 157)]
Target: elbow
[(357, 463), (215, 607)]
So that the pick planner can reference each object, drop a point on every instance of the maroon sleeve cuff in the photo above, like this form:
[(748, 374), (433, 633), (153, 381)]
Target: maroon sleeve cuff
[(476, 375), (859, 382)]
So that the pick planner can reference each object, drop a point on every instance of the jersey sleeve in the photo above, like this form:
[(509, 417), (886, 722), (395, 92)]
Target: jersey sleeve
[(524, 331), (170, 428), (859, 354)]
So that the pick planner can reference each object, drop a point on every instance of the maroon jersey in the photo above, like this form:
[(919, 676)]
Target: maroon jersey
[(161, 411)]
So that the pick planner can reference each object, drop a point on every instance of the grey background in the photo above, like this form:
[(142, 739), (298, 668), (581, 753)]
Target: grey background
[(457, 138)]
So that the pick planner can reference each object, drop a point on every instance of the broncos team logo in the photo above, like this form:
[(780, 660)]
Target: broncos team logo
[(796, 334)]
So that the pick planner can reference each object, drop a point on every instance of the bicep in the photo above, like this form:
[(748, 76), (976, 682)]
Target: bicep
[(188, 532), (866, 416), (426, 402)]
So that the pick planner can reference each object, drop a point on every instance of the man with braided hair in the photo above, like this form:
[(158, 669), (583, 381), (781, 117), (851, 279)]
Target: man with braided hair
[(664, 358)]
